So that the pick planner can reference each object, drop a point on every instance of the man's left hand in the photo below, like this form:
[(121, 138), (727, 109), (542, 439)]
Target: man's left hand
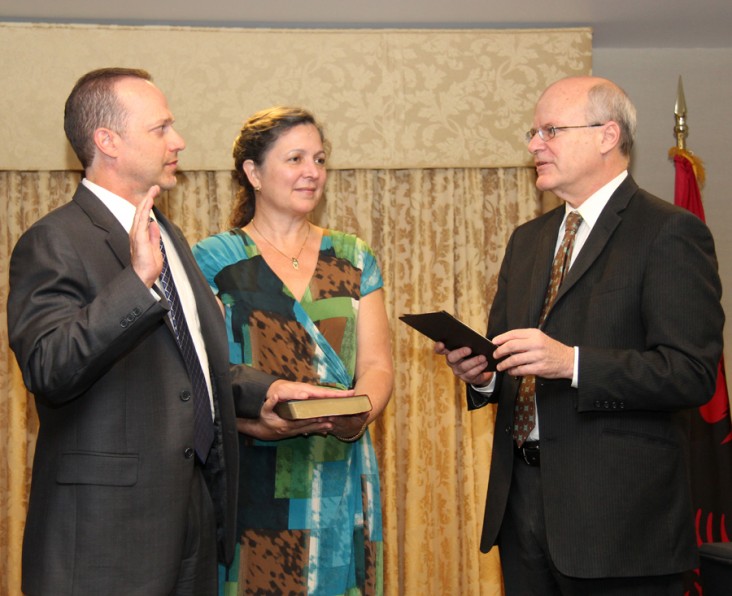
[(533, 352)]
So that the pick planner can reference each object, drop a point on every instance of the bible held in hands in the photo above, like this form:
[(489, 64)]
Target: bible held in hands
[(315, 407)]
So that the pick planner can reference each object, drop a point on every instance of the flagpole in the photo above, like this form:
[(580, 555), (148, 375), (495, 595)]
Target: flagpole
[(681, 130)]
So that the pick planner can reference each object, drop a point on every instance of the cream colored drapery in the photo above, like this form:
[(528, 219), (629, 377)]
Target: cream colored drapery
[(429, 167)]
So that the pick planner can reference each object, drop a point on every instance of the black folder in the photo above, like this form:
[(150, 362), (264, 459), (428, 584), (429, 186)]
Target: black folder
[(442, 326)]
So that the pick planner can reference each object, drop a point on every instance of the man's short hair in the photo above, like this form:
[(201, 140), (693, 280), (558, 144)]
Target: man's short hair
[(93, 104)]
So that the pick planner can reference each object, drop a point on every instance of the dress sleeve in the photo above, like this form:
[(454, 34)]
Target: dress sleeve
[(371, 278), (204, 253)]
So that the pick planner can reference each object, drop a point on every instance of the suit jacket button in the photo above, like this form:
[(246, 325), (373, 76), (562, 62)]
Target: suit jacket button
[(507, 430), (124, 323), (185, 395), (188, 452), (598, 404)]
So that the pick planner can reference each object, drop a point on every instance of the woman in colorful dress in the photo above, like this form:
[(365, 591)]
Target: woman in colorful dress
[(302, 303)]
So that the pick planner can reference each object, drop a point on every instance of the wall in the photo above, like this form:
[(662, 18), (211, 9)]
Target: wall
[(650, 77)]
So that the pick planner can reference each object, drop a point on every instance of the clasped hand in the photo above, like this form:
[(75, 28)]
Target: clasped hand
[(526, 352), (270, 427)]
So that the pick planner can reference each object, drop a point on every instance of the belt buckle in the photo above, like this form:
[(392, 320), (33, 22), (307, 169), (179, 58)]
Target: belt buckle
[(530, 454)]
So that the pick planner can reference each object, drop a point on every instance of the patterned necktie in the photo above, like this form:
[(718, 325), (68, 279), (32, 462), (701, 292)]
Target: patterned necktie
[(203, 423), (525, 408)]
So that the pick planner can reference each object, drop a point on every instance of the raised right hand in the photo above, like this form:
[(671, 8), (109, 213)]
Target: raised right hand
[(145, 255)]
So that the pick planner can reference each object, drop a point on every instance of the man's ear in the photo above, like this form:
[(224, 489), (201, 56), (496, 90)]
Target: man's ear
[(610, 136), (107, 141)]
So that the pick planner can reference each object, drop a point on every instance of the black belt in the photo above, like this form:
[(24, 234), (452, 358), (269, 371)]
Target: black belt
[(529, 453)]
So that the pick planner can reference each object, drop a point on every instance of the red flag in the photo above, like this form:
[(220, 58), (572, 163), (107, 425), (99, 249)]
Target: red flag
[(710, 427), (686, 189)]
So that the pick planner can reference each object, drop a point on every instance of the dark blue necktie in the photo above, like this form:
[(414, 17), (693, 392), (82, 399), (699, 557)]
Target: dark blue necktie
[(203, 423)]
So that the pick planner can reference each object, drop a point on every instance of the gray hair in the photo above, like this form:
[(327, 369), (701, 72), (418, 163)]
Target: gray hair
[(607, 101)]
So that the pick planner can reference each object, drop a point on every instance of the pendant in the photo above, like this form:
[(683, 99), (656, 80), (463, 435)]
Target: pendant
[(295, 263)]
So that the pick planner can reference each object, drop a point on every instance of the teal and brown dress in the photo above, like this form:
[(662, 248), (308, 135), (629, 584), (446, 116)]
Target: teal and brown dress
[(309, 511)]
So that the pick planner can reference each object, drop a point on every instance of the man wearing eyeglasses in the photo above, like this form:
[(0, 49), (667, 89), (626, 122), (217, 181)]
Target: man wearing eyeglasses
[(609, 330)]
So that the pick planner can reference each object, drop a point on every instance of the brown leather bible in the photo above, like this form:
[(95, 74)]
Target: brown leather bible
[(316, 407)]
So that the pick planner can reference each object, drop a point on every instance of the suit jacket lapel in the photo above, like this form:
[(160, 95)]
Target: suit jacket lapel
[(101, 217), (602, 231)]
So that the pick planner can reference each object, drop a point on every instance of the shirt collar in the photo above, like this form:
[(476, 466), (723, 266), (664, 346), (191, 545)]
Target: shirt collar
[(591, 208), (122, 209)]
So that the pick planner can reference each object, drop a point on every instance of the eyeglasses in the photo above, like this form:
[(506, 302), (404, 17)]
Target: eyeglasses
[(549, 132)]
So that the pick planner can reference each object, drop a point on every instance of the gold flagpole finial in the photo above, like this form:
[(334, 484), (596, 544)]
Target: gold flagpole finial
[(681, 130)]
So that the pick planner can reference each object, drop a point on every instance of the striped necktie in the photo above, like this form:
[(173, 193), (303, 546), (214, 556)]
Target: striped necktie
[(203, 422), (525, 407)]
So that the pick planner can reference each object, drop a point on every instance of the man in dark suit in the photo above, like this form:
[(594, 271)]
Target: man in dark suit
[(126, 497), (590, 495)]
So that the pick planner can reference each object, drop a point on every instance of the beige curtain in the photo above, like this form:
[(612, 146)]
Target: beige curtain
[(439, 235)]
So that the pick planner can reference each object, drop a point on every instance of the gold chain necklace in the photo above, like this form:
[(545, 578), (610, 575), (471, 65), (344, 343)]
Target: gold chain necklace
[(295, 260)]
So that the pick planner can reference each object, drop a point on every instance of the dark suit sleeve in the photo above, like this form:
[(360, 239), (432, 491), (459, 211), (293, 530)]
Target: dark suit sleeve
[(64, 332), (250, 389), (681, 320)]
